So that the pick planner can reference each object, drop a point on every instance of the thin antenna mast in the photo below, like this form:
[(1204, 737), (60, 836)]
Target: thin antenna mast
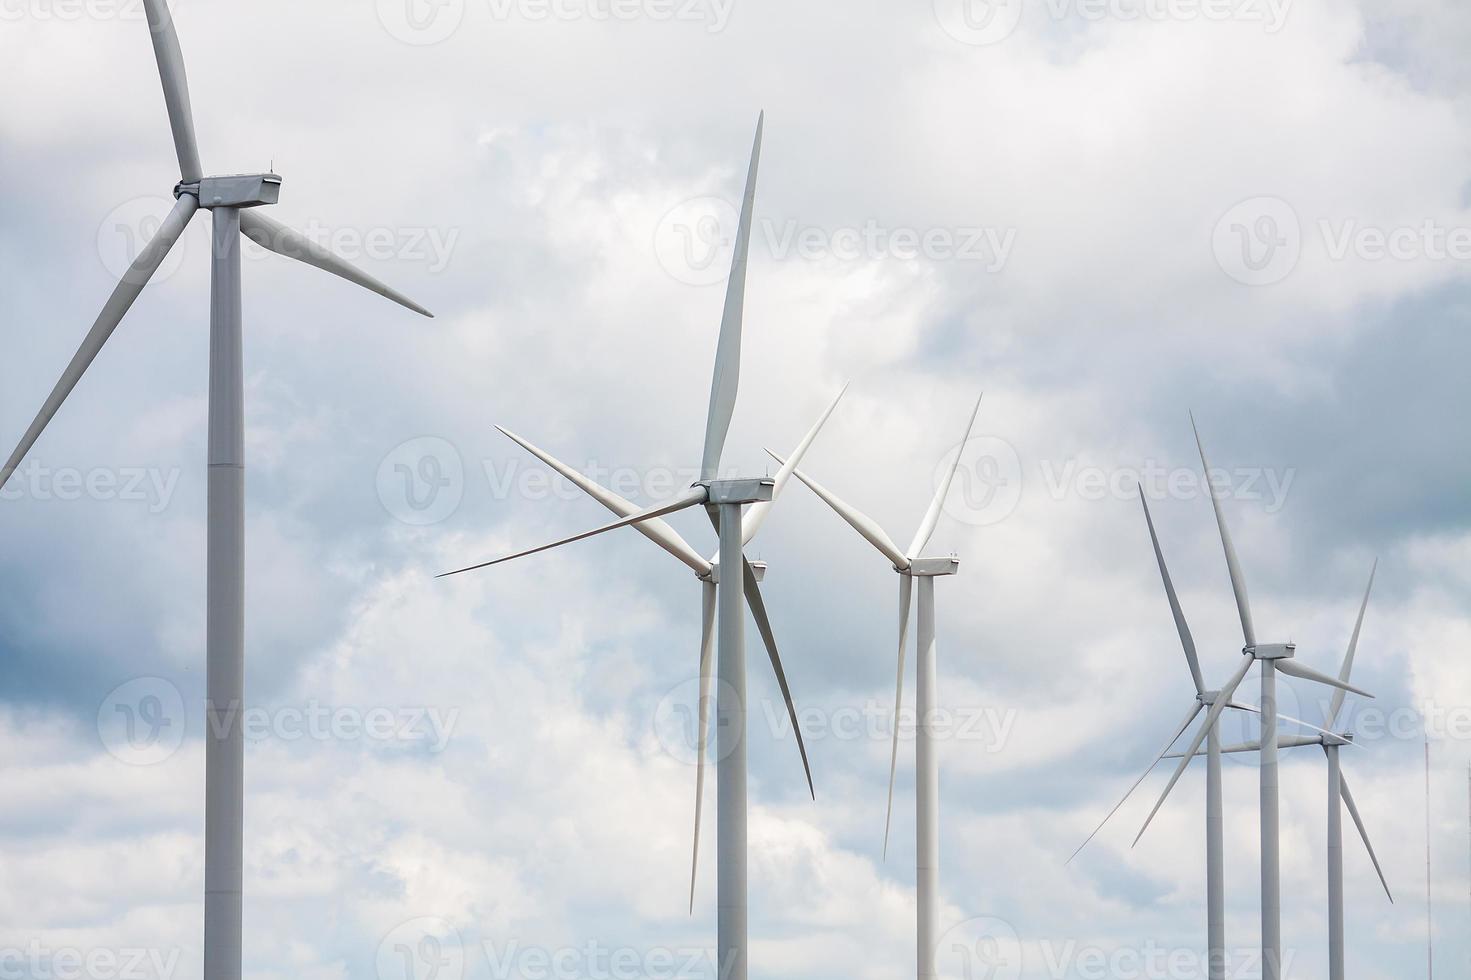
[(1429, 898)]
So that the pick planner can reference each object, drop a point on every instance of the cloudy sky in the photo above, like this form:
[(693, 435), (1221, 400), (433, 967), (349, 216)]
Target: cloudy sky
[(1104, 215)]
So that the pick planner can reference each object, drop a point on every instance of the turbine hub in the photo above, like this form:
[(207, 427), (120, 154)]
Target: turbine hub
[(235, 191)]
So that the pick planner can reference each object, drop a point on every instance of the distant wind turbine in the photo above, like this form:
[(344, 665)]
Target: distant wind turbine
[(229, 198), (910, 566), (1273, 658)]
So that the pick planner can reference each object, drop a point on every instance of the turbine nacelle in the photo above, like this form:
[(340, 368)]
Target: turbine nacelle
[(931, 567), (233, 190), (1271, 651), (741, 491)]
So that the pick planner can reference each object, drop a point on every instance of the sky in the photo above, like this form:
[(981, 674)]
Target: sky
[(1103, 214)]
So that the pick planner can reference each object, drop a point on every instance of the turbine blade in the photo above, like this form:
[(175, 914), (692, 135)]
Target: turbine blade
[(906, 592), (1210, 721), (756, 514), (1195, 711), (123, 296), (1294, 669), (273, 236), (932, 516), (763, 625), (1233, 565), (728, 354), (1186, 640), (1353, 648), (1282, 739), (175, 87), (1353, 810), (690, 498), (707, 654), (657, 531), (859, 521), (1283, 742)]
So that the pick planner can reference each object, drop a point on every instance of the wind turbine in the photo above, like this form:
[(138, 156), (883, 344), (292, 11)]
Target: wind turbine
[(910, 566), (707, 570), (725, 501), (229, 198), (1215, 814), (1273, 657)]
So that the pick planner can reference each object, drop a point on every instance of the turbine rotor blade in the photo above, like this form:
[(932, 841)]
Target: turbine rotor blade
[(273, 236), (707, 655), (1186, 640), (757, 513), (1222, 701), (1195, 711), (1233, 565), (859, 521), (726, 383), (1353, 810), (1341, 695), (657, 531), (171, 72), (690, 498), (1288, 719), (123, 296), (906, 592), (1294, 669), (932, 516), (763, 625)]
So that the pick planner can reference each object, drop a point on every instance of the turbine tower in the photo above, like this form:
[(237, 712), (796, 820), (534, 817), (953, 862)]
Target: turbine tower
[(725, 502), (230, 199), (910, 566), (1273, 657)]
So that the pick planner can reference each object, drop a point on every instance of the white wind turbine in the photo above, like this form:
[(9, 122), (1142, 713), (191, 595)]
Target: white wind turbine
[(1215, 813), (910, 566), (707, 570), (229, 198), (1339, 798), (725, 502), (1273, 658)]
